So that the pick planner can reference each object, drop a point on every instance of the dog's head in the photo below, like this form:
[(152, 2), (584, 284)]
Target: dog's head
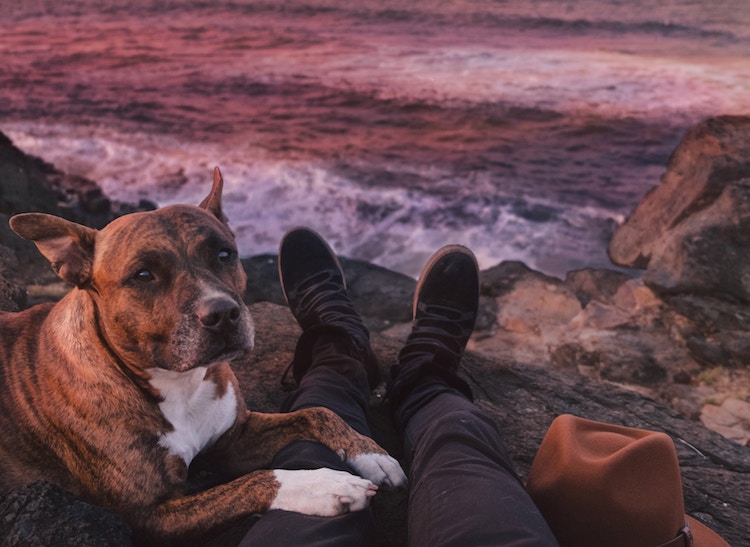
[(167, 285)]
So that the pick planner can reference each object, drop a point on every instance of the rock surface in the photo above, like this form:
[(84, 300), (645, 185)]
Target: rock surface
[(690, 232), (42, 515), (667, 349)]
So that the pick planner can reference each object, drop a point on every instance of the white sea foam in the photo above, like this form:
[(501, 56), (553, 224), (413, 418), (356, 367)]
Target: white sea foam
[(397, 228)]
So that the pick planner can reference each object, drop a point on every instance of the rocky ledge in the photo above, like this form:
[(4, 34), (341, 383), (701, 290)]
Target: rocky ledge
[(661, 342)]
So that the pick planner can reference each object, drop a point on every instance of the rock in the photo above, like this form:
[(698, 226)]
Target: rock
[(722, 420), (530, 311), (23, 182), (12, 287), (40, 515), (28, 184), (600, 285), (709, 251), (501, 279), (711, 156)]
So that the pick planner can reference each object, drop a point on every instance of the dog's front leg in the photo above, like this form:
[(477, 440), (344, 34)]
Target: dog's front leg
[(322, 492), (254, 441)]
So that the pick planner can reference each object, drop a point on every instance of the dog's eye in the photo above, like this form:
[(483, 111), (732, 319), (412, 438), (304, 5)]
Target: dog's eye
[(144, 276), (225, 256)]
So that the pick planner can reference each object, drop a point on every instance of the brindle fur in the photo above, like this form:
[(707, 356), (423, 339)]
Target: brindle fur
[(76, 405)]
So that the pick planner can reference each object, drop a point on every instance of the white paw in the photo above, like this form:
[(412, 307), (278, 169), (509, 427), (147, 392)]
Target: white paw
[(323, 492), (379, 468)]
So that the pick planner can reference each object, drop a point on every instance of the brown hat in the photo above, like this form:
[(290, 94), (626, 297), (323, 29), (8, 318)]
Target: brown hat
[(598, 484)]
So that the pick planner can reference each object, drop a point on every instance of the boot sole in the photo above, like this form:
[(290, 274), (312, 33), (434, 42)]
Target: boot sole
[(434, 259), (325, 244)]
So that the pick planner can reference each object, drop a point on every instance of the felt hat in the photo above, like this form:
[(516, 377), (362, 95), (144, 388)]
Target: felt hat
[(599, 484)]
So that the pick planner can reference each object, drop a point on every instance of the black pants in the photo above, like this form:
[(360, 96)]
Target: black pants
[(463, 489)]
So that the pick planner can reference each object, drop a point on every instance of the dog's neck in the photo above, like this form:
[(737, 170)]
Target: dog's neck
[(71, 320)]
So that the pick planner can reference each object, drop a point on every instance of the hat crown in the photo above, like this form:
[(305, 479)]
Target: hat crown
[(601, 484)]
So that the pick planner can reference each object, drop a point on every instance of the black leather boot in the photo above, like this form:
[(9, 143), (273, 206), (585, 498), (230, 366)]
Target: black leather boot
[(315, 289), (445, 311)]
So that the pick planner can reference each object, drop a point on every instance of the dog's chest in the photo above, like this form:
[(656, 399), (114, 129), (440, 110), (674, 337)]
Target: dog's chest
[(192, 405)]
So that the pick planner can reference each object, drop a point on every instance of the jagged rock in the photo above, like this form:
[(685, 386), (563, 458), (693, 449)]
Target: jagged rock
[(709, 251), (41, 515), (599, 285), (28, 183), (12, 288), (711, 157)]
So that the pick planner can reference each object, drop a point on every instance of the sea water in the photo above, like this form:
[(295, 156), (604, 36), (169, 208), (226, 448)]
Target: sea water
[(525, 129)]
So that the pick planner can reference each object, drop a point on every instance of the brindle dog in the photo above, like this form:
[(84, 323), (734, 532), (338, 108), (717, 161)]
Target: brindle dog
[(111, 392)]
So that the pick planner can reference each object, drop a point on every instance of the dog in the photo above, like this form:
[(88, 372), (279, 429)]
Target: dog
[(111, 392)]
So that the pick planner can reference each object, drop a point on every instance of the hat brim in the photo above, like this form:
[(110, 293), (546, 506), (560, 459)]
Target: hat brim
[(703, 536)]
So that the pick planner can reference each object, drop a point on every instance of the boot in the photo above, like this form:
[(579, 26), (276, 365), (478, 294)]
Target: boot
[(314, 287), (445, 311)]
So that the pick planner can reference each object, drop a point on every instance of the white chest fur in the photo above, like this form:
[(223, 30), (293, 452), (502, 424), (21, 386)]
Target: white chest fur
[(199, 417)]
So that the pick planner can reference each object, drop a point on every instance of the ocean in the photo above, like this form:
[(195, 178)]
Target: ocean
[(525, 129)]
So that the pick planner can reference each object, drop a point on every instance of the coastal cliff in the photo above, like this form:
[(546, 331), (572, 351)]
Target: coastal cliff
[(661, 342)]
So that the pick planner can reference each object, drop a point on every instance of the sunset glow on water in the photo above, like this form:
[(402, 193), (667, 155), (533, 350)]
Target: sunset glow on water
[(526, 130)]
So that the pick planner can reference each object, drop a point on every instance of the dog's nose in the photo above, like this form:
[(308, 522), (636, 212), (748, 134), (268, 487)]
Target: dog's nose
[(218, 313)]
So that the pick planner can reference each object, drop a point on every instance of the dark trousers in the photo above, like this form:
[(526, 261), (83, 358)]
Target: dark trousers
[(463, 490)]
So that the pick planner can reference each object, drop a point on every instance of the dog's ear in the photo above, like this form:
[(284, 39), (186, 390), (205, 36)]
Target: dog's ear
[(68, 246), (212, 203)]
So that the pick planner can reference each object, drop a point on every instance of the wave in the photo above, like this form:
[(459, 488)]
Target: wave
[(684, 20), (396, 227)]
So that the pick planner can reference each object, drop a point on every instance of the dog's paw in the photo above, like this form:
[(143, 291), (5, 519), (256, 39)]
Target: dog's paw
[(379, 468), (323, 492)]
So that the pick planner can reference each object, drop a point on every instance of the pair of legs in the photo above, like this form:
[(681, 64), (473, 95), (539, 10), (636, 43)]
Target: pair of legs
[(463, 489)]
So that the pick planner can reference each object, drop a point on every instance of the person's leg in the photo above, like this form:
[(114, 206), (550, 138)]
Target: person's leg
[(464, 490), (335, 368)]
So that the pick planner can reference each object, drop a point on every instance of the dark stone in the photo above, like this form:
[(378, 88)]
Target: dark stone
[(42, 515), (500, 280), (12, 287)]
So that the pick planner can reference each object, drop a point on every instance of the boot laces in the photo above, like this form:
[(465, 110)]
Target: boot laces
[(439, 330), (322, 300)]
